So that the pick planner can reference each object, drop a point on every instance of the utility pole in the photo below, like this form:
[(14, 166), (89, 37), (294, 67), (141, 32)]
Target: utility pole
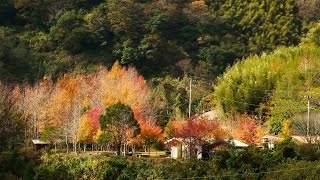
[(308, 115), (308, 118), (190, 84)]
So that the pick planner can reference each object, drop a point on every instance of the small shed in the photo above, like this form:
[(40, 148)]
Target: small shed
[(39, 144), (176, 147), (269, 141), (181, 150)]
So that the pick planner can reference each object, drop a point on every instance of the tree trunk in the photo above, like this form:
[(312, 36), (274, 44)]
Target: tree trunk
[(118, 146), (75, 147), (125, 149), (67, 143), (133, 149)]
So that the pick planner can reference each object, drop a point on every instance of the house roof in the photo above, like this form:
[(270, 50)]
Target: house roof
[(212, 115), (174, 140), (237, 143), (304, 139), (233, 142), (39, 142)]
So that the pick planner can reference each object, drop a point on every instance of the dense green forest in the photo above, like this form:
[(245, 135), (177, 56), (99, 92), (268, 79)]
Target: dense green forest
[(129, 75), (167, 41), (159, 38)]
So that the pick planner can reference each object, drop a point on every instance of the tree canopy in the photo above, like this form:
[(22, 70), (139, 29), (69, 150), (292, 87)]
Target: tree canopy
[(120, 124), (272, 86), (58, 36)]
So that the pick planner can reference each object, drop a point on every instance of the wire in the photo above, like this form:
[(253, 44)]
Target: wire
[(274, 90), (250, 174)]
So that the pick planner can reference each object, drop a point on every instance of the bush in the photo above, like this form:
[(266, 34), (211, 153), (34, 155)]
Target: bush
[(309, 152), (229, 163), (111, 169), (55, 167), (242, 161), (294, 170), (286, 149), (14, 165)]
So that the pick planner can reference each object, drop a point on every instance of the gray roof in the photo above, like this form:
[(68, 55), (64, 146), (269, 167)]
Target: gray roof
[(237, 143), (38, 141)]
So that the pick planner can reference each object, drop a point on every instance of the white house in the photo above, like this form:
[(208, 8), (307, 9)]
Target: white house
[(270, 140), (179, 149)]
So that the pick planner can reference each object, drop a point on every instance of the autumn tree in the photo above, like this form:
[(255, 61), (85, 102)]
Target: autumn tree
[(33, 101), (85, 131), (70, 107), (150, 134), (286, 132), (125, 85), (94, 115), (246, 129), (198, 131), (89, 126), (12, 122), (65, 107), (117, 121)]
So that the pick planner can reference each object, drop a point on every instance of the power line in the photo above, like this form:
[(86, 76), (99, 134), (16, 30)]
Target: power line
[(275, 90), (250, 174)]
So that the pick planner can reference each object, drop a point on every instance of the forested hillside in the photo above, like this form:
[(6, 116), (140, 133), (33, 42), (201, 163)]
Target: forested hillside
[(70, 43), (274, 87), (138, 77), (163, 37), (167, 41)]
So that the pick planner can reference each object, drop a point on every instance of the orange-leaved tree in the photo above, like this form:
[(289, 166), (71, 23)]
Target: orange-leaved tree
[(89, 126), (64, 104), (248, 129), (150, 134), (125, 85), (86, 131)]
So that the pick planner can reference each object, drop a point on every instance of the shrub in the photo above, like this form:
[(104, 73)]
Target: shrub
[(15, 165)]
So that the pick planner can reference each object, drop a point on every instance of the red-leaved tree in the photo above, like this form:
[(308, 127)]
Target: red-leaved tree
[(197, 132)]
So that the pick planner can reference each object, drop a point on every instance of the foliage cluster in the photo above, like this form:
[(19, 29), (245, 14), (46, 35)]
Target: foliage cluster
[(288, 159), (53, 37), (80, 108), (230, 163), (272, 87), (12, 122)]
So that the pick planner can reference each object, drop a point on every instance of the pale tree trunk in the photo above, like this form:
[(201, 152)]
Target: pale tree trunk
[(67, 144), (75, 147), (125, 149)]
